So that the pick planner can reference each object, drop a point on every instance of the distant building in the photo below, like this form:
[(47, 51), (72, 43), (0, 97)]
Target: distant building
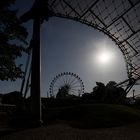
[(9, 101), (12, 98)]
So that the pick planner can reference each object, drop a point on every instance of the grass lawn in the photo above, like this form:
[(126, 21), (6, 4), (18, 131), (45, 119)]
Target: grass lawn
[(93, 115)]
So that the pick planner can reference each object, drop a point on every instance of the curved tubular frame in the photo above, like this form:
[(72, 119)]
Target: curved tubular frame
[(120, 20), (117, 19)]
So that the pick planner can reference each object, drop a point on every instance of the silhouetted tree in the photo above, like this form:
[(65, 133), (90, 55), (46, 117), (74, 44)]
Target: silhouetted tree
[(106, 94), (111, 90), (12, 35), (63, 92), (87, 96), (114, 94), (99, 91)]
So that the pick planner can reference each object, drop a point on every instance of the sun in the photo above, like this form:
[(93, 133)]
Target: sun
[(104, 57)]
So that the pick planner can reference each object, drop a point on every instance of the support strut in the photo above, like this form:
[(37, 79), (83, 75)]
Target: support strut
[(35, 77)]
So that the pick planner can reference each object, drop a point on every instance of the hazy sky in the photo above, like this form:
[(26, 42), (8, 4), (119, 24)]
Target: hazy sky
[(71, 46), (74, 47)]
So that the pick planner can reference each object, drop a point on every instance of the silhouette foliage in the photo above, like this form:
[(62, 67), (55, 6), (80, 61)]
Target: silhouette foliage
[(12, 38), (107, 94), (63, 92)]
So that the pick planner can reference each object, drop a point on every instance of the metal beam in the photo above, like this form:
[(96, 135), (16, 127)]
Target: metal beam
[(71, 7), (128, 24), (98, 18), (92, 5), (130, 36), (35, 77), (131, 2), (123, 82), (123, 14), (52, 3), (132, 47)]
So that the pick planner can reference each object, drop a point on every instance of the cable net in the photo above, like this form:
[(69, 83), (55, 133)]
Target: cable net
[(119, 19)]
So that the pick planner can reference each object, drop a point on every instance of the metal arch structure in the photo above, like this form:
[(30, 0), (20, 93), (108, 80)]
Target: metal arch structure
[(69, 79), (118, 19)]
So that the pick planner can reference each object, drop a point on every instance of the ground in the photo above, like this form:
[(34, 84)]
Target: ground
[(62, 131), (80, 122)]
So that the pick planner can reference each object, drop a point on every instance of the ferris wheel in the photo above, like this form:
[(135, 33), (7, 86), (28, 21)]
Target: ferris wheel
[(66, 82)]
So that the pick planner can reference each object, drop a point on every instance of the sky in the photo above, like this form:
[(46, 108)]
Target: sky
[(69, 46)]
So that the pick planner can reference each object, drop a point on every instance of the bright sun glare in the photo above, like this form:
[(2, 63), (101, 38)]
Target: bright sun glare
[(104, 57)]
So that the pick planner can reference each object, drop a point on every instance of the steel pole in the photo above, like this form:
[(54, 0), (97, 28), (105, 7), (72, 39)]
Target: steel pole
[(36, 72)]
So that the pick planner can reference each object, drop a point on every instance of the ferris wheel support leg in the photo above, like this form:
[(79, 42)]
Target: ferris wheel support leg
[(129, 87), (35, 76)]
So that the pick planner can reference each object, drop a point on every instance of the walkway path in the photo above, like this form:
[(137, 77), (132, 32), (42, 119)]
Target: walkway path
[(65, 132)]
